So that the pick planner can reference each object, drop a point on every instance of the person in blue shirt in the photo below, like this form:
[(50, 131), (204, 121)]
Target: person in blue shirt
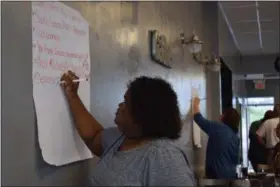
[(223, 144)]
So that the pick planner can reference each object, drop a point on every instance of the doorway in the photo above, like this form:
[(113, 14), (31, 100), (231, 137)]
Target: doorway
[(253, 109)]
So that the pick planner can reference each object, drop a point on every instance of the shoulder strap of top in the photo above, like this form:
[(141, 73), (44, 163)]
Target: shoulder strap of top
[(110, 147)]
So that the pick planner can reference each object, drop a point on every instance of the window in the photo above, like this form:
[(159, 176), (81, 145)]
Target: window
[(257, 112), (260, 101)]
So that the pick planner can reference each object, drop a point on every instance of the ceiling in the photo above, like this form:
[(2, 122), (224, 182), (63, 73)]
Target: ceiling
[(254, 25)]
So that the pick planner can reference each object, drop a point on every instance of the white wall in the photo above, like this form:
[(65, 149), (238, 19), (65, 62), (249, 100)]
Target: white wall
[(112, 39)]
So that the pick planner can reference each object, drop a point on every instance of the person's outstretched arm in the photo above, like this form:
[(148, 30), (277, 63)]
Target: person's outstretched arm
[(206, 125), (87, 126)]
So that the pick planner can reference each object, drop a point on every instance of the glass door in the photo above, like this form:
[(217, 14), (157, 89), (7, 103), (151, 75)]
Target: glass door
[(253, 110)]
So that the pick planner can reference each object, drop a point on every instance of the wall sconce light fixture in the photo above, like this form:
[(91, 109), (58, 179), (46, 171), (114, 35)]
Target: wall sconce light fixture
[(194, 46)]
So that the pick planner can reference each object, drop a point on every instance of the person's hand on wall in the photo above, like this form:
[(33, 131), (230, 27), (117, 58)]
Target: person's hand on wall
[(195, 105), (70, 88)]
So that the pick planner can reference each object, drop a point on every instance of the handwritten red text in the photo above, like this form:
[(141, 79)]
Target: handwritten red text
[(61, 66), (47, 35), (59, 52), (53, 6), (44, 79)]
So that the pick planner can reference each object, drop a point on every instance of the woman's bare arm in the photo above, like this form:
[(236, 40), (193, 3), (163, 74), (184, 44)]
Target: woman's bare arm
[(88, 127)]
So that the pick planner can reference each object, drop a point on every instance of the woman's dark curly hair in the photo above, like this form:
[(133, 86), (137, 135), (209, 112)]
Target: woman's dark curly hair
[(154, 106), (232, 118)]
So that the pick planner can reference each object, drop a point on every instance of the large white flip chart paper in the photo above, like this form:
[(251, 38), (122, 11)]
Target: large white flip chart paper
[(196, 129), (60, 39)]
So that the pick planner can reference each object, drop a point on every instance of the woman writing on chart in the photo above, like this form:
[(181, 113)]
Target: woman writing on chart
[(141, 150)]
